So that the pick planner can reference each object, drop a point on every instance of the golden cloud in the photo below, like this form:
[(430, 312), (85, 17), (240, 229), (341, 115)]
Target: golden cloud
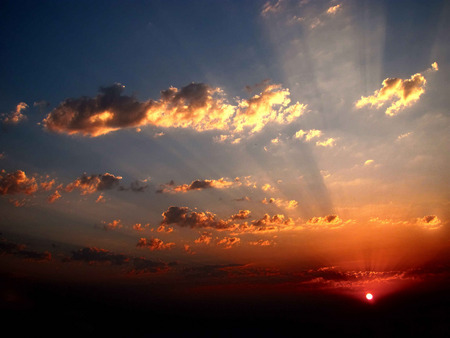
[(196, 106), (398, 93)]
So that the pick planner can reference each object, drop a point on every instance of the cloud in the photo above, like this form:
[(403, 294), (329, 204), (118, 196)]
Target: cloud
[(154, 244), (261, 242), (228, 242), (271, 105), (113, 225), (309, 135), (330, 142), (242, 214), (15, 116), (53, 197), (196, 185), (90, 184), (204, 238), (19, 250), (398, 93), (143, 265), (431, 222), (184, 217), (330, 222), (270, 8), (292, 204), (196, 106), (94, 255), (334, 9), (17, 183)]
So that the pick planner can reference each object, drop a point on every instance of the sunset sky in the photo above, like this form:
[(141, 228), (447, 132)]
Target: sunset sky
[(223, 147)]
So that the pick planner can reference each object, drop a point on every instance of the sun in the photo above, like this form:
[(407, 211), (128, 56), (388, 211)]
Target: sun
[(369, 296)]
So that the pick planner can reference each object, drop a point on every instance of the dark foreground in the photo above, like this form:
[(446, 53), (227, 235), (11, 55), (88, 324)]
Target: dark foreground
[(48, 309)]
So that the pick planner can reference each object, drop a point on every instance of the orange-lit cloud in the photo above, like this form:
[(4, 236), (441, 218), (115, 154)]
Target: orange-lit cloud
[(242, 214), (431, 222), (17, 183), (196, 106), (90, 184), (330, 222), (398, 93), (15, 116), (204, 238), (53, 197), (154, 244), (113, 225), (196, 185), (228, 242)]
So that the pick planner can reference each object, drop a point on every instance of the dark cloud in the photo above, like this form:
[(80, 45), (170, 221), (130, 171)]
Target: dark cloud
[(184, 217), (20, 250), (143, 265), (106, 112), (95, 255)]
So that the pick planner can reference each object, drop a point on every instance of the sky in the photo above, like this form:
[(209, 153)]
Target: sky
[(206, 150)]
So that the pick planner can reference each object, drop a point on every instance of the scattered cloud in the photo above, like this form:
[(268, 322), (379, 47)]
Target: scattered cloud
[(17, 183), (398, 93), (15, 116), (308, 135), (204, 238), (113, 225), (196, 185), (90, 184), (53, 197), (334, 9), (279, 202), (329, 142), (271, 7), (228, 242), (154, 244)]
